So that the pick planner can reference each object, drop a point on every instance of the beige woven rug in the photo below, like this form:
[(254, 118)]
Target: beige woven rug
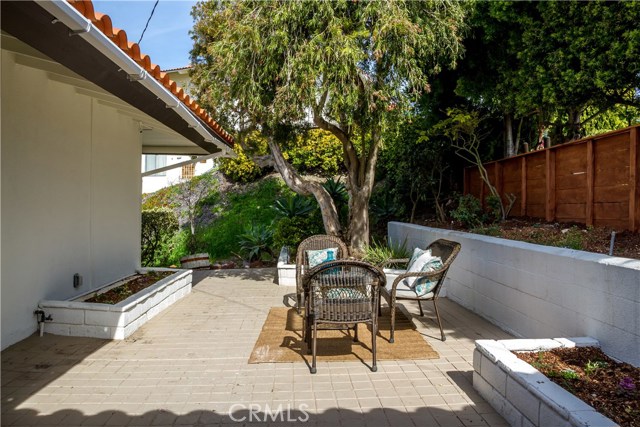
[(281, 341)]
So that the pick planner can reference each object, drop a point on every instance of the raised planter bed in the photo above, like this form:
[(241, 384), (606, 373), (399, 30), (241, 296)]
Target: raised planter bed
[(286, 270), (79, 318), (521, 394)]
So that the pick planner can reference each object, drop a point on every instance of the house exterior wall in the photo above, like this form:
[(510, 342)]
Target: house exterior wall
[(536, 291), (70, 194)]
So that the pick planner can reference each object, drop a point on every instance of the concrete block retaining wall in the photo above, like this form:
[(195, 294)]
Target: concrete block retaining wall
[(521, 394), (118, 321), (536, 291)]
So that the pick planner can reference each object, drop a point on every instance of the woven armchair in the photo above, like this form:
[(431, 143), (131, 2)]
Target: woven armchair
[(320, 241), (396, 290), (341, 294)]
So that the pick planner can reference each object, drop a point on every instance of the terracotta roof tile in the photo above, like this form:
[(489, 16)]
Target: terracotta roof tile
[(119, 37)]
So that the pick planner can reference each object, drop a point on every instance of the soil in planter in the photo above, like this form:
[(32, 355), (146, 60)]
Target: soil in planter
[(612, 388), (134, 284), (566, 235)]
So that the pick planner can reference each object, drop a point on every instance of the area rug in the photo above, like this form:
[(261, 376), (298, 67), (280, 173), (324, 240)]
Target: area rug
[(281, 341)]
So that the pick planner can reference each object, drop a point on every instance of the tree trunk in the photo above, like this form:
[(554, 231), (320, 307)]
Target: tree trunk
[(575, 124), (509, 146), (358, 219), (294, 181)]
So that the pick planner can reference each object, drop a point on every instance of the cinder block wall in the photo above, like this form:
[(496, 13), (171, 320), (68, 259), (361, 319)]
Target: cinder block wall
[(536, 291)]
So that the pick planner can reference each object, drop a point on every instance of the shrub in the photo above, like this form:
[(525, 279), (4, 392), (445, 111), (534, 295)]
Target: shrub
[(316, 151), (291, 231), (469, 211), (158, 228), (241, 169)]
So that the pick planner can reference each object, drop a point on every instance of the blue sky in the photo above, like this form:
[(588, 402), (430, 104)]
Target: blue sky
[(167, 39)]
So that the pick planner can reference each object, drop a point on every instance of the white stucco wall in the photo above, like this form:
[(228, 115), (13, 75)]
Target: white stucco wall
[(538, 291), (70, 194)]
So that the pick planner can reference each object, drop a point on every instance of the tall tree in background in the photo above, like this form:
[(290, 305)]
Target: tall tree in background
[(352, 68), (555, 65)]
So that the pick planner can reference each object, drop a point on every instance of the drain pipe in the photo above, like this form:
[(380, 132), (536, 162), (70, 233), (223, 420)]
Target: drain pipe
[(42, 318)]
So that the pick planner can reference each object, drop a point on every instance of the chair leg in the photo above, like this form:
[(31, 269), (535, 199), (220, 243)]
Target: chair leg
[(393, 320), (355, 333), (420, 305), (314, 331), (374, 332), (439, 321)]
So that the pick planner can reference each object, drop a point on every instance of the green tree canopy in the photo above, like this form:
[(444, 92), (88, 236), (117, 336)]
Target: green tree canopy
[(352, 68)]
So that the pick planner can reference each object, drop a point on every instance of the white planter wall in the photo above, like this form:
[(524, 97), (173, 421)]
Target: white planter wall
[(115, 321), (286, 270), (536, 291)]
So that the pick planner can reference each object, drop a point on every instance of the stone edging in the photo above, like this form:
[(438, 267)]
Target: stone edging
[(523, 395)]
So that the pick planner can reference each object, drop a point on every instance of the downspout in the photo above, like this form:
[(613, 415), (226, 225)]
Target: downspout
[(81, 26)]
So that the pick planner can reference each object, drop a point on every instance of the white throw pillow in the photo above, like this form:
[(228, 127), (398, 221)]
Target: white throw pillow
[(417, 253), (417, 266)]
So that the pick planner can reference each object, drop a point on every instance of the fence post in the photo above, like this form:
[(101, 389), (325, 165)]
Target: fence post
[(590, 176), (523, 186), (551, 185), (634, 185)]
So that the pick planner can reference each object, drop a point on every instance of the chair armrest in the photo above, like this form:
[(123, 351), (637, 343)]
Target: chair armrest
[(418, 274), (394, 261)]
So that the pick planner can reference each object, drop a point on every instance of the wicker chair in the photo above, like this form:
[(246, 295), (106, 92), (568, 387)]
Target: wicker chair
[(396, 289), (341, 294), (316, 242)]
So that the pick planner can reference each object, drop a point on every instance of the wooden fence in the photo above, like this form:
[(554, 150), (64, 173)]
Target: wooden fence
[(595, 181)]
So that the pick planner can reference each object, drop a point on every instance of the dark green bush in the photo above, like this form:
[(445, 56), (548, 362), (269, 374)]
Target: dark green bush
[(469, 211), (291, 231), (158, 228)]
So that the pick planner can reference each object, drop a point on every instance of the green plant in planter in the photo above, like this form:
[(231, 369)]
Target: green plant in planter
[(380, 253)]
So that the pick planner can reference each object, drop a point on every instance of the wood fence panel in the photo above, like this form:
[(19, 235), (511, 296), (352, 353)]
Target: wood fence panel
[(511, 182), (593, 181)]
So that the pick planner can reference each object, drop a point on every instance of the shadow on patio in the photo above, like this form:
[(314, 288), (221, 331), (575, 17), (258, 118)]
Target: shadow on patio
[(188, 366)]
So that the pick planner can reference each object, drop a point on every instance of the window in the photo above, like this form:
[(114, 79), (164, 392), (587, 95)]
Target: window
[(188, 171), (155, 161)]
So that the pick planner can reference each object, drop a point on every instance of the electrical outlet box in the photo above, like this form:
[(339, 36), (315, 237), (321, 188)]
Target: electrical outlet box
[(77, 280)]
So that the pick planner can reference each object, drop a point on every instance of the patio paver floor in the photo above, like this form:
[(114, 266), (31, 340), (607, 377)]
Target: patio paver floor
[(188, 366)]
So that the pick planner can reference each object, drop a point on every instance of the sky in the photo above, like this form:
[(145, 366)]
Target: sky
[(167, 39)]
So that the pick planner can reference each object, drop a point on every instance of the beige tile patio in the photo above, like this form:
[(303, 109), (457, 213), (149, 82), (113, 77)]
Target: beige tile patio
[(188, 366)]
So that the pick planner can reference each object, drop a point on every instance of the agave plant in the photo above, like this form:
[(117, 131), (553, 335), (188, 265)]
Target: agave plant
[(380, 253), (336, 190), (256, 240), (291, 207)]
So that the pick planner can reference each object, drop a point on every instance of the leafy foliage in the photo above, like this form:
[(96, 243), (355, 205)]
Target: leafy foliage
[(257, 241), (241, 169), (253, 205), (469, 211), (380, 253), (291, 231), (294, 205), (158, 227), (315, 152), (358, 67)]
